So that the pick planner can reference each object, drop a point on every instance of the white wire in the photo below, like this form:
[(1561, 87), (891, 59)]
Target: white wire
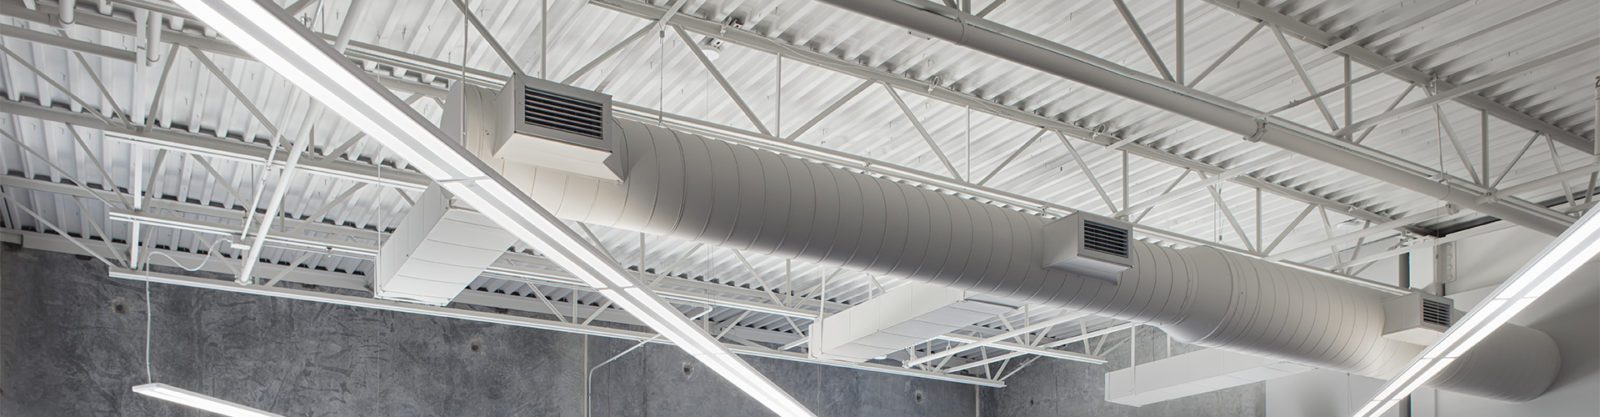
[(212, 249), (149, 315)]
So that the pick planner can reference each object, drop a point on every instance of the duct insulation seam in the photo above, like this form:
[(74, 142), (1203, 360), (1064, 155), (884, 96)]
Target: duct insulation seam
[(690, 187)]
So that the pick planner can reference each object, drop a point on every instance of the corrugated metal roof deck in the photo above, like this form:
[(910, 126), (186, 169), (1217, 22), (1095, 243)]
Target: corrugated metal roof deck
[(660, 73)]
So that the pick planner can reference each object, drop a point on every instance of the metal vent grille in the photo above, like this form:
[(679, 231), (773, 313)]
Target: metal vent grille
[(567, 114), (1435, 312), (1105, 239)]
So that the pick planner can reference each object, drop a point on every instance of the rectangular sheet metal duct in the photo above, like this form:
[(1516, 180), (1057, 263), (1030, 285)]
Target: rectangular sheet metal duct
[(438, 249), (1191, 374), (901, 318)]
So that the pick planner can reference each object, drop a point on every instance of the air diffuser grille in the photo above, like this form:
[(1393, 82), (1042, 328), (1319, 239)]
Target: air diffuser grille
[(564, 113), (1105, 239), (1435, 312)]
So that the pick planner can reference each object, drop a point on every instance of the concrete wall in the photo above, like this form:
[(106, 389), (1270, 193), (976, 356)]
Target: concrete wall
[(1060, 388), (72, 344)]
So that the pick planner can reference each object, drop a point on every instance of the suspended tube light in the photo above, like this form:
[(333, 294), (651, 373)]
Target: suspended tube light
[(265, 31), (197, 400), (1558, 261)]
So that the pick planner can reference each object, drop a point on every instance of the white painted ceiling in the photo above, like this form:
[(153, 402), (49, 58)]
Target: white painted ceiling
[(1457, 40)]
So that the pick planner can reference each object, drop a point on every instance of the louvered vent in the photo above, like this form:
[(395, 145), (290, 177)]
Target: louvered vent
[(1435, 312), (551, 125), (564, 113), (1105, 238), (1090, 245)]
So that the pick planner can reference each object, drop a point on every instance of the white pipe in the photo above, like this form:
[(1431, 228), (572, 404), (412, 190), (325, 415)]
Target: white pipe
[(275, 203), (352, 16), (69, 9), (153, 37)]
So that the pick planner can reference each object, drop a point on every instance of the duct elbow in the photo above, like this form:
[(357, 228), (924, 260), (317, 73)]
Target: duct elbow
[(1515, 363), (1248, 305)]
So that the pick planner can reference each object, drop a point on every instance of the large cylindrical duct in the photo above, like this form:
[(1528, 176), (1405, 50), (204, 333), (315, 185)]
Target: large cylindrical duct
[(709, 191)]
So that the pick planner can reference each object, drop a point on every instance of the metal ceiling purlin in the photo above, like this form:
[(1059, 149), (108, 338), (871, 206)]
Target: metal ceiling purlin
[(433, 68), (1315, 36), (800, 53), (1054, 58), (525, 267), (803, 53), (424, 65)]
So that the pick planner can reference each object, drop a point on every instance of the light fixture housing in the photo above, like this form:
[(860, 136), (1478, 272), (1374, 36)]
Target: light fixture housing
[(266, 32), (1555, 263), (712, 47), (197, 400)]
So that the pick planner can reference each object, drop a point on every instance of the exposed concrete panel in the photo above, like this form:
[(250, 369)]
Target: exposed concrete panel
[(1062, 388), (73, 344)]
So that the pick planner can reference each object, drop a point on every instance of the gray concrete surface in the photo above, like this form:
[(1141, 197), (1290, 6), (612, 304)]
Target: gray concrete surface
[(1062, 388), (72, 344)]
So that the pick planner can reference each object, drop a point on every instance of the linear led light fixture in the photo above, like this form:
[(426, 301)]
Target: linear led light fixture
[(266, 32), (197, 400), (1558, 261)]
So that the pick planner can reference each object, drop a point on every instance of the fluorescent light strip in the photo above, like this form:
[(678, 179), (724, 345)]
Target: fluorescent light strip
[(1558, 261), (193, 399), (263, 30)]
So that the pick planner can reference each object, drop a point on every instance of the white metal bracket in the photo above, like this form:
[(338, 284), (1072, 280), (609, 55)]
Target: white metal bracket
[(1261, 130)]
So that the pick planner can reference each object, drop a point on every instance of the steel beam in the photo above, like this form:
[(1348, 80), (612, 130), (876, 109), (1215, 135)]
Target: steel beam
[(1144, 41), (510, 320), (1060, 60), (1055, 343), (1471, 87), (91, 48), (424, 65), (518, 267), (988, 341), (1323, 38), (1363, 233), (418, 64), (804, 54), (727, 87), (922, 132), (236, 150)]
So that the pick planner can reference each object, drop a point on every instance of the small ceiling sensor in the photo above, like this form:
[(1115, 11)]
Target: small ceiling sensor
[(711, 47)]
